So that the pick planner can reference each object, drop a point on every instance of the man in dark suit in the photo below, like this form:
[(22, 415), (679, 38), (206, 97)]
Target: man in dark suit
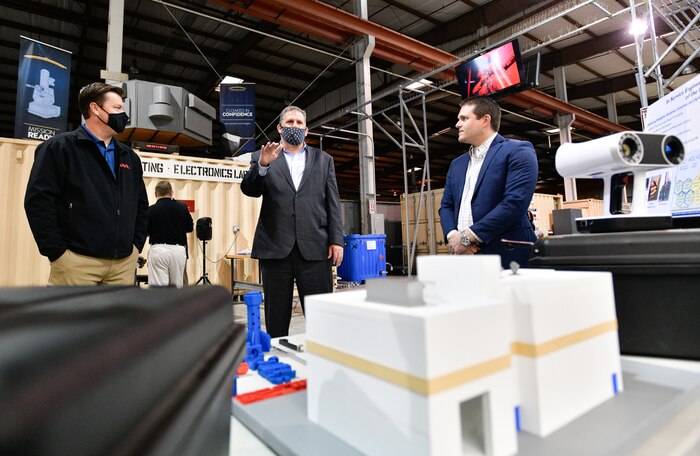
[(489, 188), (299, 233)]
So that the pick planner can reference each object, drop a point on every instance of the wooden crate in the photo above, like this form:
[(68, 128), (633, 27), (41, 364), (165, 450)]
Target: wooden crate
[(544, 205), (422, 245), (589, 207), (434, 197)]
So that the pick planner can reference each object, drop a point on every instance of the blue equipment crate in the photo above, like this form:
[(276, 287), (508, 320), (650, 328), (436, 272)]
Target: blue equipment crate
[(364, 257)]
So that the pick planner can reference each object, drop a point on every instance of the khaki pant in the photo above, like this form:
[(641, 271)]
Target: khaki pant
[(75, 269)]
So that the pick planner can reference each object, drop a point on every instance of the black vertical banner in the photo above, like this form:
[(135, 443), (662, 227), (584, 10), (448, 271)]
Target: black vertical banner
[(43, 85), (237, 114)]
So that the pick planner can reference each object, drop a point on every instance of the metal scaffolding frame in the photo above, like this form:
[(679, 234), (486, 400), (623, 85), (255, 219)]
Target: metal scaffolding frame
[(682, 17)]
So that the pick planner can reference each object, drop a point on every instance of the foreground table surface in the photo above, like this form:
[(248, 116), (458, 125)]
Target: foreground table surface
[(656, 414)]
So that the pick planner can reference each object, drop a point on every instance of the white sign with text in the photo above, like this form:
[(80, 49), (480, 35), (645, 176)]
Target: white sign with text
[(677, 189), (175, 169)]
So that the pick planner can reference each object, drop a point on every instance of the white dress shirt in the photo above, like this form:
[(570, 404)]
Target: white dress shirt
[(296, 163)]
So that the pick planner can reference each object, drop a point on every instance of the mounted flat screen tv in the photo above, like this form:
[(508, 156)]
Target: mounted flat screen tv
[(496, 71)]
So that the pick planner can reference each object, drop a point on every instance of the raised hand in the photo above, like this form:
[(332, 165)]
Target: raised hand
[(269, 153)]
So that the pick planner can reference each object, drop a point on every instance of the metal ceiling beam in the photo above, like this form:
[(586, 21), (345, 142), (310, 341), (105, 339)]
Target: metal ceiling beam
[(467, 24), (414, 12), (95, 21), (291, 20), (296, 59), (630, 108), (616, 84), (589, 48), (391, 45), (235, 52), (540, 101)]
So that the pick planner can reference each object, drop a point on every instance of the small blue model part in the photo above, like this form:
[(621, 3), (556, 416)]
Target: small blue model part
[(233, 390), (614, 380), (257, 341), (517, 418), (276, 372)]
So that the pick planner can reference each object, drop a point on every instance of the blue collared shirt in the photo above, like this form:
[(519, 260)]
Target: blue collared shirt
[(107, 150)]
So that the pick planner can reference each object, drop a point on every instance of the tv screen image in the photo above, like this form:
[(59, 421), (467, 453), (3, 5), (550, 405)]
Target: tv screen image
[(492, 72)]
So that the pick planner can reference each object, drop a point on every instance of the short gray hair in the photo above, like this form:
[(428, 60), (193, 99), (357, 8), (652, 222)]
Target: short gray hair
[(163, 188), (292, 108)]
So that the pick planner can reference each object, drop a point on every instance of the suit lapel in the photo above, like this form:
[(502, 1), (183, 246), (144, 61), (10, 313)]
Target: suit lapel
[(493, 150), (308, 167), (281, 163)]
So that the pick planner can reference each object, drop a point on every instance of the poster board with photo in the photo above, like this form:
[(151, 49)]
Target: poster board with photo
[(677, 189)]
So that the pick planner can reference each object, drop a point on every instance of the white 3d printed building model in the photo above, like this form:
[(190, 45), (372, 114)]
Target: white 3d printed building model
[(462, 359)]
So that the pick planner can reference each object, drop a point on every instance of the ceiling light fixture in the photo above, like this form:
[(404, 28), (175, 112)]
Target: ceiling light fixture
[(228, 80), (638, 27), (690, 69), (419, 84), (555, 131)]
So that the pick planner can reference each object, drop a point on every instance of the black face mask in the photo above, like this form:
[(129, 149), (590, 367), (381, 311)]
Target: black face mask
[(116, 122)]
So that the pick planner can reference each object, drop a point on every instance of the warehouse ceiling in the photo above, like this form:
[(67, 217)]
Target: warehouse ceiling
[(301, 52)]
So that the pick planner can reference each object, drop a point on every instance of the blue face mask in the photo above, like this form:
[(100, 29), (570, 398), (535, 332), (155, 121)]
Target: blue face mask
[(293, 135)]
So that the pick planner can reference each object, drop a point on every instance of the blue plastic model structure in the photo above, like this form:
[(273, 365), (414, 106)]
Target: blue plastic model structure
[(257, 341), (276, 372)]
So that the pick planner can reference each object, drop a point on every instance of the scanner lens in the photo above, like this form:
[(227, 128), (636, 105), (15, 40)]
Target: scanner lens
[(629, 149), (674, 151)]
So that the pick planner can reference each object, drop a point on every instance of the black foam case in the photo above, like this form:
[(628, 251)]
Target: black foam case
[(117, 370), (656, 276)]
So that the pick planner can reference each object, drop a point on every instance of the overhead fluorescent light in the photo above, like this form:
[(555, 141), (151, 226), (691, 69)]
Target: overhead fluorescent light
[(638, 27), (228, 80), (690, 69), (554, 131), (417, 85), (231, 80)]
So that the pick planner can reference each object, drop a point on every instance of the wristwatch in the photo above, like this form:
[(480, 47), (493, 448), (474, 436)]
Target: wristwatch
[(465, 240)]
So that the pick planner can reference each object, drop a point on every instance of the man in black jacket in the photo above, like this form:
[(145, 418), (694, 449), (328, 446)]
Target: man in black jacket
[(86, 201), (169, 221)]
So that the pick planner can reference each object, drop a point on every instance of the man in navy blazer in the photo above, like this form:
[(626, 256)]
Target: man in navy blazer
[(489, 188), (299, 233)]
